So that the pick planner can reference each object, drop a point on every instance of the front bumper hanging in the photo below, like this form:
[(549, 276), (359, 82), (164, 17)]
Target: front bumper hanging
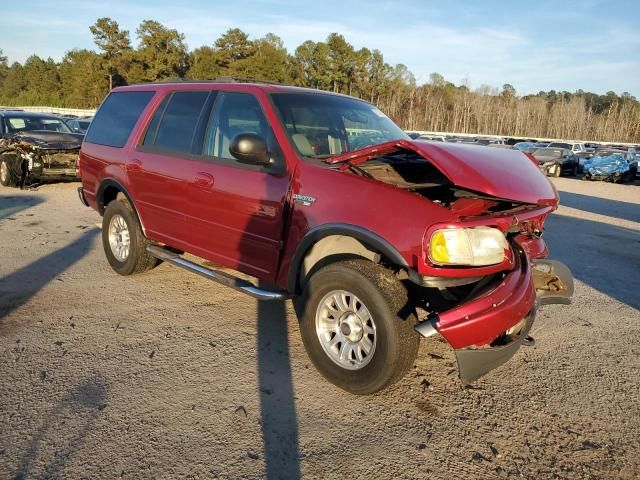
[(473, 363), (543, 282)]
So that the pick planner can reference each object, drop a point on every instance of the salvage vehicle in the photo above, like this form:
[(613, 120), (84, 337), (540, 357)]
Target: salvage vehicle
[(379, 240), (611, 165), (34, 147), (556, 161)]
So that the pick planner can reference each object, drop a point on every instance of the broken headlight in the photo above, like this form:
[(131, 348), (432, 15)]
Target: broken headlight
[(474, 247)]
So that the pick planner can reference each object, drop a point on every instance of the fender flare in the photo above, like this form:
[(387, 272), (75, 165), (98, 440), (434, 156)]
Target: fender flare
[(112, 182), (369, 239)]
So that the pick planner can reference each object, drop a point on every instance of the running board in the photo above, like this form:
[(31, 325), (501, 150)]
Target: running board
[(220, 277)]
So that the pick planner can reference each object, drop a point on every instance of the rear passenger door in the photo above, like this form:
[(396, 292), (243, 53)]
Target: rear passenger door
[(158, 170), (236, 211)]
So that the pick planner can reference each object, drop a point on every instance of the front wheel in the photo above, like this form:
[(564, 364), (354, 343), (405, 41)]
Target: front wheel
[(7, 178), (125, 246), (356, 326)]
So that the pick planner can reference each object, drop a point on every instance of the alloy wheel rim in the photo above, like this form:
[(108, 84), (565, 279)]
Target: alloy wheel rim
[(346, 330), (3, 171), (119, 238)]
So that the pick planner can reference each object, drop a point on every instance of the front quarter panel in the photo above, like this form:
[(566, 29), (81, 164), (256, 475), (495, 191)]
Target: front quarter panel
[(394, 215)]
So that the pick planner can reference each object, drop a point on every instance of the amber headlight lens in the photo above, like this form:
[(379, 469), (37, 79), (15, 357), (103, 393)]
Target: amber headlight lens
[(467, 246)]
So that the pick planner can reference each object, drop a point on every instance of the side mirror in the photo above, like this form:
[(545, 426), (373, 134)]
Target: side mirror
[(250, 148)]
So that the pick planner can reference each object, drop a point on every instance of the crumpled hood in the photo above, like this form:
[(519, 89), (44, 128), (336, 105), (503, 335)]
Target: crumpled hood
[(501, 173), (51, 140)]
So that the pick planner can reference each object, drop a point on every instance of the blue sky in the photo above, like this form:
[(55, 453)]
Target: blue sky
[(534, 45)]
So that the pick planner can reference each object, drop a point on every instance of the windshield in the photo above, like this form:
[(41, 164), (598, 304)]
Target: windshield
[(321, 126), (27, 124), (547, 152), (560, 145)]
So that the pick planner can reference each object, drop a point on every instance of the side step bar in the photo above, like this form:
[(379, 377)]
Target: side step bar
[(220, 277)]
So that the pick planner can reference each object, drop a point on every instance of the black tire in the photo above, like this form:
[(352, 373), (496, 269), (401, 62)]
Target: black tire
[(7, 177), (386, 299), (138, 259), (574, 172)]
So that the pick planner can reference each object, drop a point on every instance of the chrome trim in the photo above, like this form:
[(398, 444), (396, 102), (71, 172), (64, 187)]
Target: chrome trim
[(346, 329), (119, 238), (219, 277)]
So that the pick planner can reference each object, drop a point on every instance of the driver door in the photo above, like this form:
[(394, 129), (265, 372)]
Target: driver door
[(236, 211)]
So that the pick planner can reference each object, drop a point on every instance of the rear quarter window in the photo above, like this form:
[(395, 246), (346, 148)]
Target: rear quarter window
[(116, 118), (176, 128)]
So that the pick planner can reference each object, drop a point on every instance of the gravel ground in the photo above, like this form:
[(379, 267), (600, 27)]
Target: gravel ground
[(166, 375)]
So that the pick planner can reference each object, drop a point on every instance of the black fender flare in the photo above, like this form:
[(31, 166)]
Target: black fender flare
[(369, 239), (112, 182)]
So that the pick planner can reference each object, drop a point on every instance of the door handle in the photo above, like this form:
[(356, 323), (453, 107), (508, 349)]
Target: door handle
[(204, 180), (134, 164)]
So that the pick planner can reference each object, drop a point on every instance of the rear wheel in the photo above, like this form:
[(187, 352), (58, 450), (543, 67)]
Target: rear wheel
[(356, 326), (7, 178), (125, 246)]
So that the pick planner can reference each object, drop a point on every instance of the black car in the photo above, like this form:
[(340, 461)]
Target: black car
[(34, 146), (556, 161)]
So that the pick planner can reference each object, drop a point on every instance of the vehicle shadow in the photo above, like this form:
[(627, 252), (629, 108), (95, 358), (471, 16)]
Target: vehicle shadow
[(79, 409), (603, 256), (279, 420), (18, 287), (601, 206), (10, 205), (277, 401)]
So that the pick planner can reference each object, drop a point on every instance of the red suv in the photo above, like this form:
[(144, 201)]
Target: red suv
[(378, 239)]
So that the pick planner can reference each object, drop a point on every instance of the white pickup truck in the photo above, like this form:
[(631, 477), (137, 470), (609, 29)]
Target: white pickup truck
[(576, 148)]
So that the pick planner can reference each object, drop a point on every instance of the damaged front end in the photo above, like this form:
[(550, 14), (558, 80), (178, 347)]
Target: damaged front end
[(484, 312), (30, 157), (489, 328)]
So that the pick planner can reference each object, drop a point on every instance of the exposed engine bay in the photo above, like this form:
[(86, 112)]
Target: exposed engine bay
[(410, 171), (28, 158)]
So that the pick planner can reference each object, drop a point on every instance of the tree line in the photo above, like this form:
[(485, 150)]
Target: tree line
[(83, 77)]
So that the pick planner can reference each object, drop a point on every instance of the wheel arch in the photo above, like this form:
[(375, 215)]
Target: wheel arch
[(339, 240), (108, 190)]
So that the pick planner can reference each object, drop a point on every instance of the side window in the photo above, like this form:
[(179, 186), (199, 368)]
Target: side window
[(152, 129), (235, 113), (178, 123), (116, 118)]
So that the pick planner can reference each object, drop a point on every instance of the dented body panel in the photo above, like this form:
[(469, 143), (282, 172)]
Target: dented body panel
[(32, 156), (506, 174)]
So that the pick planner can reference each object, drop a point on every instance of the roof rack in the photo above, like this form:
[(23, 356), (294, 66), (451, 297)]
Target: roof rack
[(223, 79), (231, 79)]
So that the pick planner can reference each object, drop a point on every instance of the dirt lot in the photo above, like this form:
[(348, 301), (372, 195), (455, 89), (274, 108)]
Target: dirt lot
[(166, 375)]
